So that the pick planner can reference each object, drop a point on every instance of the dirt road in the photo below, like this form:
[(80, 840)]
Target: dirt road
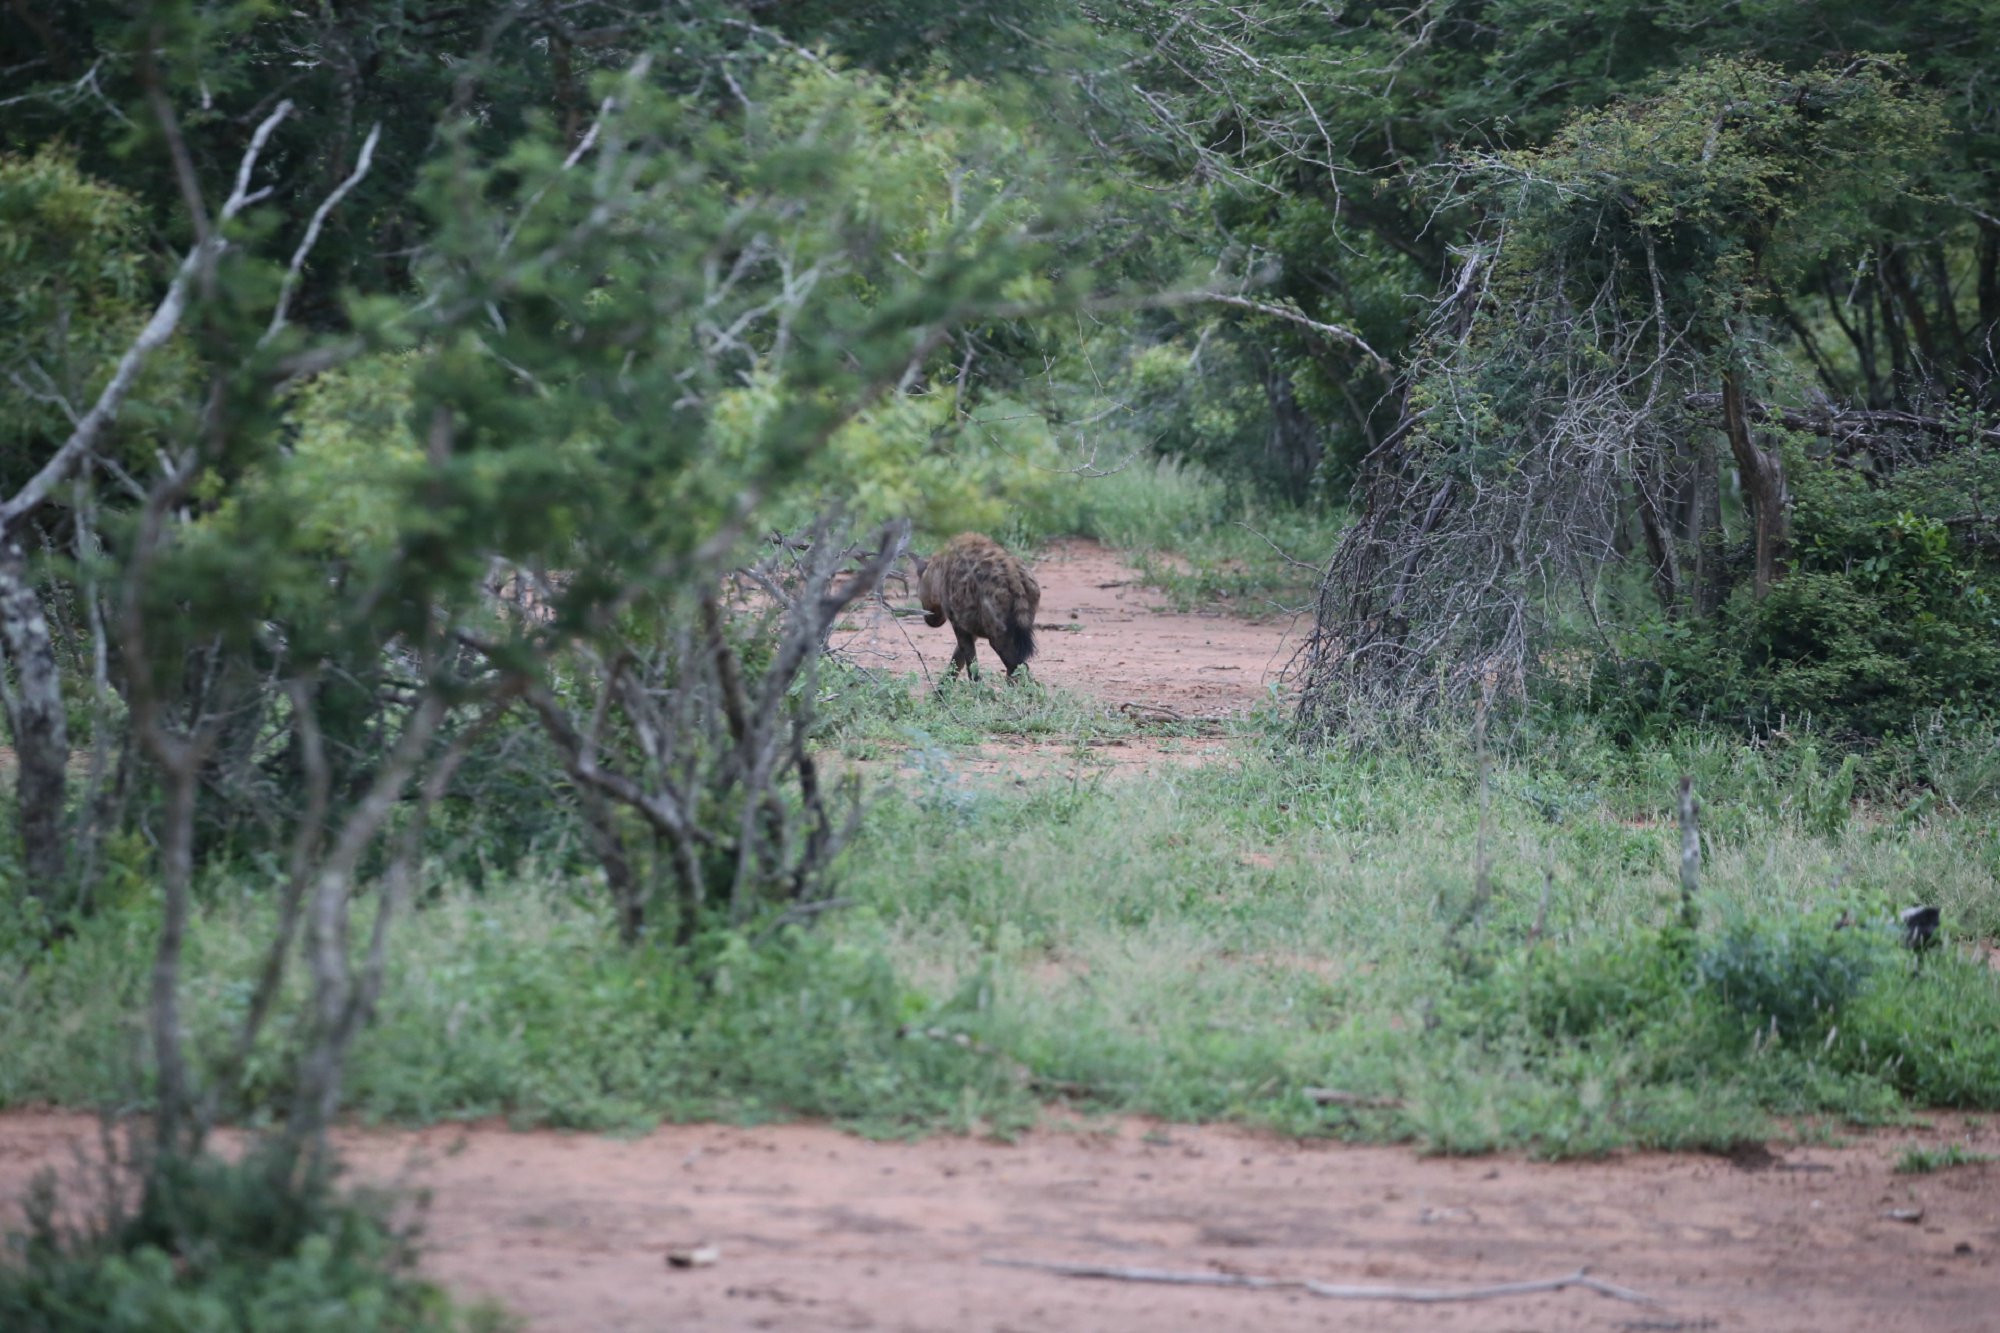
[(818, 1230), (1104, 634)]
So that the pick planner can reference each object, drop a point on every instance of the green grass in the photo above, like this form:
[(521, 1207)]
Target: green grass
[(1924, 1161), (869, 709), (1197, 944), (1190, 536)]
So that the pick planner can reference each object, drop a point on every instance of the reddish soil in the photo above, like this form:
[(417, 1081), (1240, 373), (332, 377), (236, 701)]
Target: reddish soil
[(1103, 634), (819, 1230)]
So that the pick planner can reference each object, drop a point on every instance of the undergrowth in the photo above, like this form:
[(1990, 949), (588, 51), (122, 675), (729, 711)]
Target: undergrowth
[(1924, 1161), (223, 1247), (1199, 944), (872, 714)]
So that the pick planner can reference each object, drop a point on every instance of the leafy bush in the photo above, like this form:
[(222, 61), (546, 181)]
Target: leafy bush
[(1888, 621), (217, 1246), (1198, 943), (1932, 1035), (1789, 978), (1603, 986), (1766, 1015)]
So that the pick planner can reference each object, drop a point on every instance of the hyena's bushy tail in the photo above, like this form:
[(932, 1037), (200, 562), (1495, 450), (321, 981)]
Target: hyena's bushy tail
[(1016, 640)]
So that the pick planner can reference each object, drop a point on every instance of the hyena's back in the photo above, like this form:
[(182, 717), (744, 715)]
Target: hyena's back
[(986, 593)]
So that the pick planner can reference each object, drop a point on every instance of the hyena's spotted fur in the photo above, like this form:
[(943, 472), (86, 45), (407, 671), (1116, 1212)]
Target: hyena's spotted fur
[(986, 594)]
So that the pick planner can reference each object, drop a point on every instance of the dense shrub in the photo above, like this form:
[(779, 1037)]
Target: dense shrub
[(215, 1247), (1890, 619)]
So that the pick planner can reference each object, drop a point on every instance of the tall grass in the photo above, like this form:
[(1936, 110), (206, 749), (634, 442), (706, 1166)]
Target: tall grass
[(1201, 943)]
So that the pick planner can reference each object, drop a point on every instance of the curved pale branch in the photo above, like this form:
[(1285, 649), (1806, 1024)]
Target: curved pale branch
[(166, 318)]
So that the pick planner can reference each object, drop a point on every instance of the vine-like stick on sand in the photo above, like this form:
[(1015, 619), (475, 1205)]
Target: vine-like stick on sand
[(1333, 1290)]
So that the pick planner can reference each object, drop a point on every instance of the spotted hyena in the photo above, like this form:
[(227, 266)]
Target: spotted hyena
[(986, 594)]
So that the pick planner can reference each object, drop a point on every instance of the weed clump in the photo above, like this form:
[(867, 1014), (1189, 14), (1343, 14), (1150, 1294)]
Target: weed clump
[(220, 1247)]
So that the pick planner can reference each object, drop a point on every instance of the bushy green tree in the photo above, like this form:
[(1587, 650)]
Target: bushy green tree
[(1628, 301), (368, 532)]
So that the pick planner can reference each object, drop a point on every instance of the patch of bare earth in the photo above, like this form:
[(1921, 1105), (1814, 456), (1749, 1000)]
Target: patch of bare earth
[(1102, 634), (819, 1230)]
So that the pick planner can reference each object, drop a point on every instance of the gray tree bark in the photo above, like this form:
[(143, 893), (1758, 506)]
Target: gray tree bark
[(41, 729), (1763, 475)]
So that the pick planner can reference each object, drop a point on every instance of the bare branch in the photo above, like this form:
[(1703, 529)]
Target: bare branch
[(1197, 296), (166, 318), (326, 206)]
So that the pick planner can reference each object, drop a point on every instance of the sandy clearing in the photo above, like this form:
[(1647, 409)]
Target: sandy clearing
[(820, 1230), (1103, 634)]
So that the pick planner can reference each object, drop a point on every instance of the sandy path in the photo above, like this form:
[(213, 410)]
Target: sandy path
[(819, 1230), (1103, 634)]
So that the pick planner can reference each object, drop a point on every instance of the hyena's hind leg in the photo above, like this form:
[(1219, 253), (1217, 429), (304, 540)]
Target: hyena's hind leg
[(965, 657)]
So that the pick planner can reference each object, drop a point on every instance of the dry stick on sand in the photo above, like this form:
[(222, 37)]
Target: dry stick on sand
[(1341, 1097), (1333, 1290)]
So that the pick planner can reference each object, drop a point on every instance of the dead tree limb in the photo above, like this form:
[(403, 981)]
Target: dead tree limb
[(713, 757), (1849, 428), (1332, 1290)]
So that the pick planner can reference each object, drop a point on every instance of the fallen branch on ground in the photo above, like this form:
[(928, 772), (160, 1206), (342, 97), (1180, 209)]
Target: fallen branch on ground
[(1337, 1097), (1333, 1290)]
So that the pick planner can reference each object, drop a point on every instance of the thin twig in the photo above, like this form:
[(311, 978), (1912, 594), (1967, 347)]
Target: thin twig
[(1342, 1097), (1542, 909), (1333, 1291), (1482, 867)]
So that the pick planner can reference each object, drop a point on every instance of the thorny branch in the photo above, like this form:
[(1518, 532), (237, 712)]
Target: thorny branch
[(1473, 519), (718, 768)]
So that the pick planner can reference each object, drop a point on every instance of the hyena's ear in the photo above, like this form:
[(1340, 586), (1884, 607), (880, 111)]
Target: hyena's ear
[(919, 562)]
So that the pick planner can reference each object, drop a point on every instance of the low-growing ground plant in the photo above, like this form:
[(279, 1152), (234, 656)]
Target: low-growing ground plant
[(1924, 1161), (228, 1247), (1199, 944)]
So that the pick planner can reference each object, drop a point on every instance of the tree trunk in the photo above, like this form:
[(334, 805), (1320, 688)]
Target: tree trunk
[(1653, 524), (174, 1112), (602, 830), (1704, 534), (1892, 333), (1763, 473), (40, 726), (1988, 286), (1924, 351), (1947, 307), (1293, 442), (1859, 337)]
